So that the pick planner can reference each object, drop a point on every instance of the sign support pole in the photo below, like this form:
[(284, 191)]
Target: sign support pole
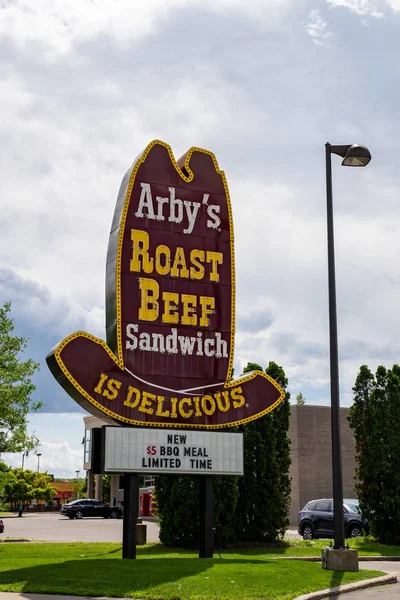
[(206, 538), (131, 511)]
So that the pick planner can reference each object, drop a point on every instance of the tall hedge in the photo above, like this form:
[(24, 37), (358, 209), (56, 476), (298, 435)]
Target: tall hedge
[(262, 512), (253, 508), (178, 509), (375, 420)]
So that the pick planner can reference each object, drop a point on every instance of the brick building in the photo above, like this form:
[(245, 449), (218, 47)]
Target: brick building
[(311, 453)]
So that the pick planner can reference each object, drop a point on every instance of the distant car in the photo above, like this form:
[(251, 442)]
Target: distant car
[(90, 508), (1, 526), (316, 519)]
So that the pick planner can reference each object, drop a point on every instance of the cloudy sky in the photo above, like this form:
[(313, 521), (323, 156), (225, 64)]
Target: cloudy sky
[(263, 84)]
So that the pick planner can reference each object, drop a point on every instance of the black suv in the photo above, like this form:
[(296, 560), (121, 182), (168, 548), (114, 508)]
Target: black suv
[(316, 519), (90, 508)]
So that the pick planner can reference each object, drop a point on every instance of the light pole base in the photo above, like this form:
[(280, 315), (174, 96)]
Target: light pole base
[(339, 560)]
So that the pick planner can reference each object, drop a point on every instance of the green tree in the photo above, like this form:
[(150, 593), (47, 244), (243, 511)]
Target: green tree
[(262, 512), (22, 487), (225, 499), (16, 388), (178, 509), (106, 493), (77, 488), (375, 420), (4, 474), (300, 400)]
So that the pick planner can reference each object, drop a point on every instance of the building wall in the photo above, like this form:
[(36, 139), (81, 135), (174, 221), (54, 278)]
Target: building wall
[(91, 422), (311, 468), (95, 482)]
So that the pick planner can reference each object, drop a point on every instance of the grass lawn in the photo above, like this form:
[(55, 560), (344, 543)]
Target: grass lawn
[(161, 574), (366, 546)]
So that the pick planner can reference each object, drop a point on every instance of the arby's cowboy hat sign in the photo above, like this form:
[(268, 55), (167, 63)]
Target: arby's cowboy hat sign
[(170, 306)]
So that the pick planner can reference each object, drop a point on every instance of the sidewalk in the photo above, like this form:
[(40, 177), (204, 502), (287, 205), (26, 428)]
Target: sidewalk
[(387, 592), (383, 589)]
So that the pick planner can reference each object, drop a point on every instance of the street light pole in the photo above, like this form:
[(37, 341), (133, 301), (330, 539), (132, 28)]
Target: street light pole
[(334, 366), (353, 156), (38, 454), (24, 454)]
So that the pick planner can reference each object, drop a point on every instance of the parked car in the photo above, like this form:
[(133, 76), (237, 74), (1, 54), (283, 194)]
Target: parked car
[(316, 519), (1, 526), (77, 509)]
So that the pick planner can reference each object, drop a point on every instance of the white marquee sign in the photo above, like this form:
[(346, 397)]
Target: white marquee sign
[(169, 451)]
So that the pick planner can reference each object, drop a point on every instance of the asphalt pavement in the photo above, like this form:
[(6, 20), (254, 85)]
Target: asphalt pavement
[(52, 527), (382, 592)]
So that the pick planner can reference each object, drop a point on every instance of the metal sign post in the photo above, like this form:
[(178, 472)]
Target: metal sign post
[(131, 511), (206, 538)]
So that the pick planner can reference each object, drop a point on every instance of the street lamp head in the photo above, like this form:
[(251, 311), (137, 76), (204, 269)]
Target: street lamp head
[(356, 156)]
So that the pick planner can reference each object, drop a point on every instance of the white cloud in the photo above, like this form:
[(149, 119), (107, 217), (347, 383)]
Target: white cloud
[(367, 8), (60, 448), (359, 7), (35, 305), (56, 25), (316, 27)]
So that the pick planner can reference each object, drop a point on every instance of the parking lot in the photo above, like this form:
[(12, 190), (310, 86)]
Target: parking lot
[(52, 527)]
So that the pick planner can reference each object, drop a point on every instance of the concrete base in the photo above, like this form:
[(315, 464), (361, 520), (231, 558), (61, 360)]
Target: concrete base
[(339, 560), (141, 534)]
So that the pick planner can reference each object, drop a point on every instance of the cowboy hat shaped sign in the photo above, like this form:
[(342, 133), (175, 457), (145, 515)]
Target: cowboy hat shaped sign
[(170, 306)]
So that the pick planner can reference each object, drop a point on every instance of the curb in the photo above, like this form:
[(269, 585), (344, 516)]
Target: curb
[(360, 558), (349, 587), (385, 558)]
